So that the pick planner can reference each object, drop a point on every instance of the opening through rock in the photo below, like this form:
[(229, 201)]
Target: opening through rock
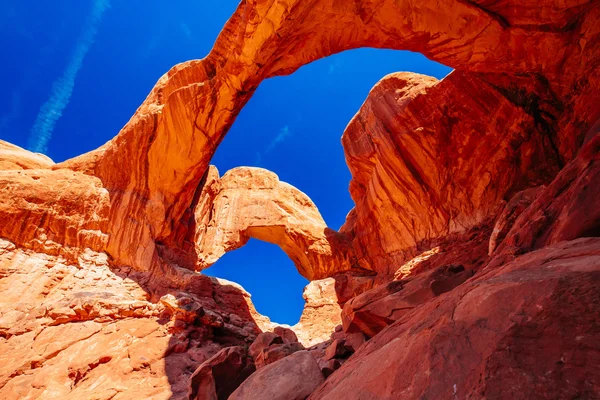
[(292, 126), (268, 274)]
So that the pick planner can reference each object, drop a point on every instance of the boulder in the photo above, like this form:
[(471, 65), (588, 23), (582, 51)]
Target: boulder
[(276, 352), (286, 334), (292, 378), (337, 349), (263, 341)]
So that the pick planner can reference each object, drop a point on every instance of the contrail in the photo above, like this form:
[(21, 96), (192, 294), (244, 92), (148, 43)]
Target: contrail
[(284, 133), (62, 88)]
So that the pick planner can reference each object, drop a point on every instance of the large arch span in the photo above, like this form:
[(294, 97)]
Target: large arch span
[(152, 169)]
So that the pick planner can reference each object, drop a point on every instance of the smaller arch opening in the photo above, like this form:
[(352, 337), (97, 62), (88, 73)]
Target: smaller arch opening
[(266, 272)]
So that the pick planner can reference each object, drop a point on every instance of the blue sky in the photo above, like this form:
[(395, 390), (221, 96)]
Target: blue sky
[(74, 73)]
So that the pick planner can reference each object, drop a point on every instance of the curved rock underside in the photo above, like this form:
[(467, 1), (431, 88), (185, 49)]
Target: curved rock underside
[(468, 268), (252, 203)]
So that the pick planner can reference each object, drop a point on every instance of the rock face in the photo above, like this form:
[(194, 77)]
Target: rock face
[(565, 210), (471, 260), (321, 312), (530, 323), (58, 212), (540, 85), (377, 308), (526, 320), (276, 353), (15, 158), (91, 330), (510, 213), (428, 161)]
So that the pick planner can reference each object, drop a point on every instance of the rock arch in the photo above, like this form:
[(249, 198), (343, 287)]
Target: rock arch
[(253, 203), (151, 172), (143, 196), (165, 149)]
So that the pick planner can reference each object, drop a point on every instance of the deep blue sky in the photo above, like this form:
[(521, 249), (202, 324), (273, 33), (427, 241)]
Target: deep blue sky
[(76, 71)]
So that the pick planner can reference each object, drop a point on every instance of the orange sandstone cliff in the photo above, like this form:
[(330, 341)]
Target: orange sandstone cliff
[(468, 268)]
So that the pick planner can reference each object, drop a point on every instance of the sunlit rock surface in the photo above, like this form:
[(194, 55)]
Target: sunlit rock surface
[(253, 203), (321, 314), (461, 291), (13, 157), (90, 330), (432, 158)]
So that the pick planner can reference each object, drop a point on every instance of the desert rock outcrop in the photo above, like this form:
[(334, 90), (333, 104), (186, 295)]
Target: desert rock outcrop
[(428, 161), (528, 316), (530, 323), (87, 329), (13, 157), (461, 291), (321, 312)]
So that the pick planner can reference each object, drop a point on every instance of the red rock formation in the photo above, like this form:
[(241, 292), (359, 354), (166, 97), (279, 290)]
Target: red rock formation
[(252, 203), (428, 161), (524, 330), (510, 213), (219, 376), (90, 330), (565, 210), (13, 157), (543, 74), (104, 245), (58, 212), (377, 308), (321, 312), (523, 327), (276, 352)]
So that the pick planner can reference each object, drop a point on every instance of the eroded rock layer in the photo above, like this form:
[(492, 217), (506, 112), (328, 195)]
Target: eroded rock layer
[(89, 330), (525, 330)]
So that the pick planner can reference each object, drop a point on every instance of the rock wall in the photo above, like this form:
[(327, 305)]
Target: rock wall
[(87, 329), (432, 158), (523, 327)]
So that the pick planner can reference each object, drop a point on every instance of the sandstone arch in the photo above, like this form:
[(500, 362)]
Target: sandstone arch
[(253, 203), (164, 150), (533, 66)]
